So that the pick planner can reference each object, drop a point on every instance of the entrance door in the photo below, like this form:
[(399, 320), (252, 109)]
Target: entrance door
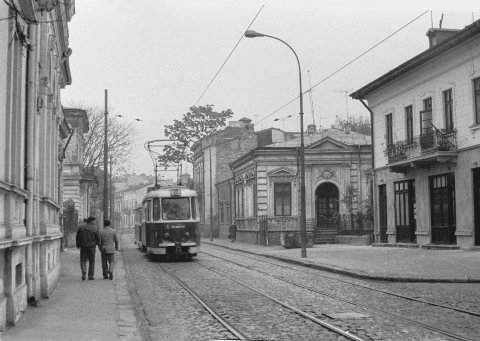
[(327, 206), (405, 219), (442, 198), (476, 203), (382, 210)]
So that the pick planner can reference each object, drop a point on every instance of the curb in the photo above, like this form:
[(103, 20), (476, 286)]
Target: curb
[(126, 320), (356, 274)]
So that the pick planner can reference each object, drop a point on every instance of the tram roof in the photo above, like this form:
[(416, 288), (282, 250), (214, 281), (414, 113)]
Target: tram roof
[(165, 191)]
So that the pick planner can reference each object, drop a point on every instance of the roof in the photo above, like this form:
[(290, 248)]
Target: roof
[(351, 139), (463, 35)]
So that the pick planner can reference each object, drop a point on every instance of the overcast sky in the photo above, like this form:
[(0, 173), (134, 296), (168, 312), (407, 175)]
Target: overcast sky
[(156, 57)]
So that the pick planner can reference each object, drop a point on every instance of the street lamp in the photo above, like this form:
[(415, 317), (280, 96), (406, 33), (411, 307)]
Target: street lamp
[(303, 229)]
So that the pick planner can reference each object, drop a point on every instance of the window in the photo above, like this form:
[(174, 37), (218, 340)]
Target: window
[(409, 123), (194, 208), (19, 273), (175, 208), (448, 109), (282, 199), (426, 116), (426, 127), (388, 129), (156, 209), (476, 95)]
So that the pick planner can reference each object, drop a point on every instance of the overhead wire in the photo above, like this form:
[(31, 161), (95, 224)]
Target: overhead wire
[(344, 66), (228, 57)]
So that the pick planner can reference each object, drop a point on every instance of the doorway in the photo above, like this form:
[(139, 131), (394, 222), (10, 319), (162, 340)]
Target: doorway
[(382, 210), (476, 203), (327, 197), (442, 199), (405, 211)]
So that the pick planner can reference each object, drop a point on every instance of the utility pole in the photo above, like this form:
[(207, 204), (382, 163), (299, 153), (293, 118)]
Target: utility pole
[(105, 161), (112, 203)]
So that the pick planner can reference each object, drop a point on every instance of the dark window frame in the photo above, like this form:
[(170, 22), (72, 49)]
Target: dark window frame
[(409, 123), (389, 129), (282, 197), (448, 110), (476, 99)]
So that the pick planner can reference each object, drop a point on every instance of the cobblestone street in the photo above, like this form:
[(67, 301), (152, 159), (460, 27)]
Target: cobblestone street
[(234, 285)]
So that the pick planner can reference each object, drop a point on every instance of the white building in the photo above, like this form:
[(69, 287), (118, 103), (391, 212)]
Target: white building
[(77, 182), (34, 67), (426, 130)]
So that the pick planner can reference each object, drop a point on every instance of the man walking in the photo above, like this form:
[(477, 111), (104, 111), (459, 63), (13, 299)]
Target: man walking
[(108, 245), (87, 239)]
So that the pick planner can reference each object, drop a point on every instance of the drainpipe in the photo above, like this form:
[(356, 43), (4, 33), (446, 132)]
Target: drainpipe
[(31, 123), (31, 114), (374, 191)]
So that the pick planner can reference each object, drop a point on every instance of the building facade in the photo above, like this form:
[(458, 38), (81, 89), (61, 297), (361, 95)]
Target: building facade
[(211, 174), (426, 129), (77, 182), (34, 67), (267, 186)]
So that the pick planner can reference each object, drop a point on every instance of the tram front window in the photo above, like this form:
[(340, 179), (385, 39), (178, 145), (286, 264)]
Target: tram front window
[(175, 208)]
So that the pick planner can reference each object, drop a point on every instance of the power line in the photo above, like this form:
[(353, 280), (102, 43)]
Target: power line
[(344, 66), (228, 57)]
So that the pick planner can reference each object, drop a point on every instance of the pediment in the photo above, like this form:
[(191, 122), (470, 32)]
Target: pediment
[(282, 171), (327, 143)]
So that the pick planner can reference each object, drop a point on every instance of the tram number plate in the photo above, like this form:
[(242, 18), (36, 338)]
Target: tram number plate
[(177, 226)]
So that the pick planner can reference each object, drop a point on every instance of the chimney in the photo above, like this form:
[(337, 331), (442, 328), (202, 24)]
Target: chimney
[(439, 35), (241, 123), (348, 128), (311, 129)]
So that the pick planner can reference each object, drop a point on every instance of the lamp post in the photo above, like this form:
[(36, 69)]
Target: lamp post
[(105, 161), (303, 229)]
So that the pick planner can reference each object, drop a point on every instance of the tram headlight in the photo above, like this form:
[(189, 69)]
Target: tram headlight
[(166, 235)]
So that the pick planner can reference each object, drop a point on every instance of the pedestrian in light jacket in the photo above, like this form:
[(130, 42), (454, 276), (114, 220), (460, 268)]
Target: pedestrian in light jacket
[(87, 239), (108, 245)]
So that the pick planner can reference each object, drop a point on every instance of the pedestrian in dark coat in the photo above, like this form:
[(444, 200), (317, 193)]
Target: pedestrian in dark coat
[(232, 233), (108, 245), (87, 239)]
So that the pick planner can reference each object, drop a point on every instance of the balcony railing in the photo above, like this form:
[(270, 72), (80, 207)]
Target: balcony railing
[(436, 140)]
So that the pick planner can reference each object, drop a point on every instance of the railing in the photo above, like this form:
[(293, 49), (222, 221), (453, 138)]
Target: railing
[(433, 141)]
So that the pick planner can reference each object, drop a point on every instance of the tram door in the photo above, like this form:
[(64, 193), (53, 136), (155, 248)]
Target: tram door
[(476, 203)]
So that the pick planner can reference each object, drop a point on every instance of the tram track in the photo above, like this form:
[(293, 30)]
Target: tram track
[(386, 292), (354, 303), (235, 331)]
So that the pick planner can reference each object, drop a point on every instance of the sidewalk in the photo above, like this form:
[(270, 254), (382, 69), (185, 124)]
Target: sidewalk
[(378, 263), (80, 310)]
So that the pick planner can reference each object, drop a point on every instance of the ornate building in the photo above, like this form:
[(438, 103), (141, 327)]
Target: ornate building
[(76, 180), (34, 67), (267, 186)]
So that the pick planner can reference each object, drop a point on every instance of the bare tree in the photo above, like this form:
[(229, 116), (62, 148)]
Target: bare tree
[(360, 124), (120, 137)]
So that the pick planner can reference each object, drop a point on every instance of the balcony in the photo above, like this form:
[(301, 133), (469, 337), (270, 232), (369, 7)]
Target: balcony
[(436, 145)]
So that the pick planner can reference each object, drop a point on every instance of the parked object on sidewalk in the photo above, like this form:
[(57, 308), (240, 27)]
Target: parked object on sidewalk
[(232, 233), (291, 241), (87, 239), (108, 245)]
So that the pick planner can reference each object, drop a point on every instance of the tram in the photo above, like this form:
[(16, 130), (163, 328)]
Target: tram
[(167, 223)]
